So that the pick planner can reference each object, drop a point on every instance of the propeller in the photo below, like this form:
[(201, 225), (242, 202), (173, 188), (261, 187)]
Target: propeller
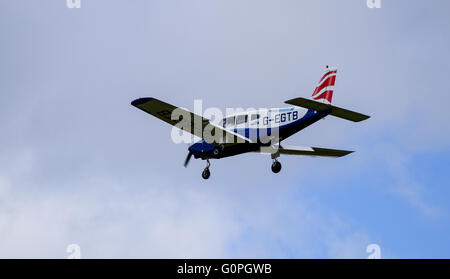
[(188, 158)]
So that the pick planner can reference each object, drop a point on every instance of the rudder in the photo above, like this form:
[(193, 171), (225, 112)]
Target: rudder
[(325, 88)]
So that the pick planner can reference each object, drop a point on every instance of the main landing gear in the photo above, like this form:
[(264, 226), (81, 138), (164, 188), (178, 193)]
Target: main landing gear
[(206, 173), (276, 166)]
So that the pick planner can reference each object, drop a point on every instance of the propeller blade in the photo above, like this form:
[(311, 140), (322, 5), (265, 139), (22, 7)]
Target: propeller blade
[(188, 158)]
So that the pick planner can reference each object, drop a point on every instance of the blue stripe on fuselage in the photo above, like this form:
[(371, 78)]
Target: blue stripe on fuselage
[(309, 114), (308, 117)]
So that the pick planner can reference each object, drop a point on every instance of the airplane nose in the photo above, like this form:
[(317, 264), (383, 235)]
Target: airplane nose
[(201, 147)]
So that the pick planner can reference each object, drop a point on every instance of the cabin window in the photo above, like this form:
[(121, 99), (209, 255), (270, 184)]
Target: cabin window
[(254, 117), (241, 119), (229, 122)]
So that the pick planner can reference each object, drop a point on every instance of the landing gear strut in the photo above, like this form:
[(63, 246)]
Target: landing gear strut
[(276, 166), (206, 173)]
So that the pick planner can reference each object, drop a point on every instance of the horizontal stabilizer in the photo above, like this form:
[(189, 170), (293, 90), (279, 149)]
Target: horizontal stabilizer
[(305, 151), (335, 111)]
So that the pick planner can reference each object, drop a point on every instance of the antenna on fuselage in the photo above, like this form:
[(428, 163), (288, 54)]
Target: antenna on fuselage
[(328, 69)]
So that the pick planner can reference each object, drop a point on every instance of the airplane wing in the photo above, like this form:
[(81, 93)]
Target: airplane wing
[(192, 123), (335, 111), (304, 150)]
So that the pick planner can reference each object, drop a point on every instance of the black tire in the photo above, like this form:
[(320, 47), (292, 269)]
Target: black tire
[(206, 173), (276, 167)]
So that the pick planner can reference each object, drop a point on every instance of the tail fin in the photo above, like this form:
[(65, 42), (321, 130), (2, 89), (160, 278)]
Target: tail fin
[(324, 90)]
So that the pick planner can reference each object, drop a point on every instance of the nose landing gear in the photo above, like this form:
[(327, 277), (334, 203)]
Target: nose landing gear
[(276, 166), (206, 173)]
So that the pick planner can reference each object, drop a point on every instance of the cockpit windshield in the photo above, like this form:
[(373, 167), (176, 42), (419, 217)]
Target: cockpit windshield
[(241, 119), (228, 122)]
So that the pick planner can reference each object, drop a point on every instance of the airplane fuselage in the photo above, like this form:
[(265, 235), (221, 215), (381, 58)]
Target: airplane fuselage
[(262, 127)]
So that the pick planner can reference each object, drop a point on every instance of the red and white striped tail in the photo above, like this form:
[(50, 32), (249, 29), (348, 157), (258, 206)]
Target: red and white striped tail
[(324, 90)]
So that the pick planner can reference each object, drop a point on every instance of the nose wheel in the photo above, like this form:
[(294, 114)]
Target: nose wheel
[(206, 173), (276, 166)]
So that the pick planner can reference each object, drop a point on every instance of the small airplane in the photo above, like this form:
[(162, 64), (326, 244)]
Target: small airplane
[(256, 131)]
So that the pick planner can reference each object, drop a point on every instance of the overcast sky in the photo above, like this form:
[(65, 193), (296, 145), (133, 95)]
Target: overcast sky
[(79, 164)]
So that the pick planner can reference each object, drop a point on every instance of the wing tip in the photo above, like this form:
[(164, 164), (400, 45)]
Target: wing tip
[(362, 118), (141, 101), (338, 153)]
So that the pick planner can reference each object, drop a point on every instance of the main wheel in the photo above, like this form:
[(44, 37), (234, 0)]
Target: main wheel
[(206, 173), (276, 167)]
